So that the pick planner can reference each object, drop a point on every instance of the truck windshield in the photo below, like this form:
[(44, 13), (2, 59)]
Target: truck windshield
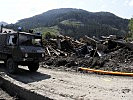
[(29, 40)]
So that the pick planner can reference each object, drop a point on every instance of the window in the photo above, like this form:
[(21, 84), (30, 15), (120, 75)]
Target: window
[(12, 40), (29, 40)]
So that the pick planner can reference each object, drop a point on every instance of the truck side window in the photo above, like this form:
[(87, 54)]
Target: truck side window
[(36, 42), (12, 40)]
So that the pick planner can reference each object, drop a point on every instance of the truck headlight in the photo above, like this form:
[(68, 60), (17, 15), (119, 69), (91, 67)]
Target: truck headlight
[(43, 55), (26, 55)]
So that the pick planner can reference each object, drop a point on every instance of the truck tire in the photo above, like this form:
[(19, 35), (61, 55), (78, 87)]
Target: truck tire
[(12, 67), (33, 67)]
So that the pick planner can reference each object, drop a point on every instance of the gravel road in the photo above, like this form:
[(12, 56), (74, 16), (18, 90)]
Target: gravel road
[(61, 85)]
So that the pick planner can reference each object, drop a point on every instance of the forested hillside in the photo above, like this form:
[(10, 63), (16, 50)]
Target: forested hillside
[(76, 22)]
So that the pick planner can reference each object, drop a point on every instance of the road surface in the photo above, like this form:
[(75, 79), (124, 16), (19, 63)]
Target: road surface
[(5, 96), (61, 85)]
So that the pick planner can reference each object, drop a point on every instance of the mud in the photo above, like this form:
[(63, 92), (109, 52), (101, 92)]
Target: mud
[(120, 60)]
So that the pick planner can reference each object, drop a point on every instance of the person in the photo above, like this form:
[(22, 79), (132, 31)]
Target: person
[(58, 42)]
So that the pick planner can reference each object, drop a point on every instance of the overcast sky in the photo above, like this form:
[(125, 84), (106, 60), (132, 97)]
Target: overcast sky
[(13, 10)]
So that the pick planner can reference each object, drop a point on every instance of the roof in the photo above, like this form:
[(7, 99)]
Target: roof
[(25, 33)]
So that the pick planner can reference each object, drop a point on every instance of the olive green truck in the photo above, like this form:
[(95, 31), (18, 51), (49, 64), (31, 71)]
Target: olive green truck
[(21, 48)]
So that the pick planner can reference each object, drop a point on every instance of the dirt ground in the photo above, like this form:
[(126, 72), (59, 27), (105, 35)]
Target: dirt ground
[(5, 96), (62, 85)]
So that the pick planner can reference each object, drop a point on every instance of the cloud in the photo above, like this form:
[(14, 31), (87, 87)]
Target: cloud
[(127, 1), (19, 9), (114, 1), (131, 3)]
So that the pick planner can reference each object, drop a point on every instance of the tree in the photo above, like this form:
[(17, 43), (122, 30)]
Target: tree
[(130, 35), (131, 25)]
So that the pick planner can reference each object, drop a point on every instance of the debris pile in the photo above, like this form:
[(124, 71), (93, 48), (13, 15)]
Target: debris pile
[(108, 53)]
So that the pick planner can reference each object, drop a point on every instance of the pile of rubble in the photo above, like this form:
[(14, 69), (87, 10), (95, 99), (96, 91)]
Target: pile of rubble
[(108, 53)]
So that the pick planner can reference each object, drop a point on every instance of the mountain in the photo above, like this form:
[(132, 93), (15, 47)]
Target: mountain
[(77, 22), (4, 23)]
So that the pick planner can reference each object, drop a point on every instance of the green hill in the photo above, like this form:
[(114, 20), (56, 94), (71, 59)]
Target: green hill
[(76, 22)]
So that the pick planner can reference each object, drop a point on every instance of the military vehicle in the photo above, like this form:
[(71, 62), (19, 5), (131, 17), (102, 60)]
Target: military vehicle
[(21, 48)]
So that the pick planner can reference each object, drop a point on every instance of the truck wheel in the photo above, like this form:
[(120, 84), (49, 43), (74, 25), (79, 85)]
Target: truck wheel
[(33, 67), (12, 67)]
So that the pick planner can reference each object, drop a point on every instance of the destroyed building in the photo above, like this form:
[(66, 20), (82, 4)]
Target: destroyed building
[(108, 53)]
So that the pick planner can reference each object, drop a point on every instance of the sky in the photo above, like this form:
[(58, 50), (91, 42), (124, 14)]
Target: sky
[(13, 10)]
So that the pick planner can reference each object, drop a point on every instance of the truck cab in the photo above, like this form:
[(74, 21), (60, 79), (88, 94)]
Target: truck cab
[(21, 48)]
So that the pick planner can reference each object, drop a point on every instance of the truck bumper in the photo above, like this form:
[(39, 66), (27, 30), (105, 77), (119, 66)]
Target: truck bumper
[(26, 61)]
